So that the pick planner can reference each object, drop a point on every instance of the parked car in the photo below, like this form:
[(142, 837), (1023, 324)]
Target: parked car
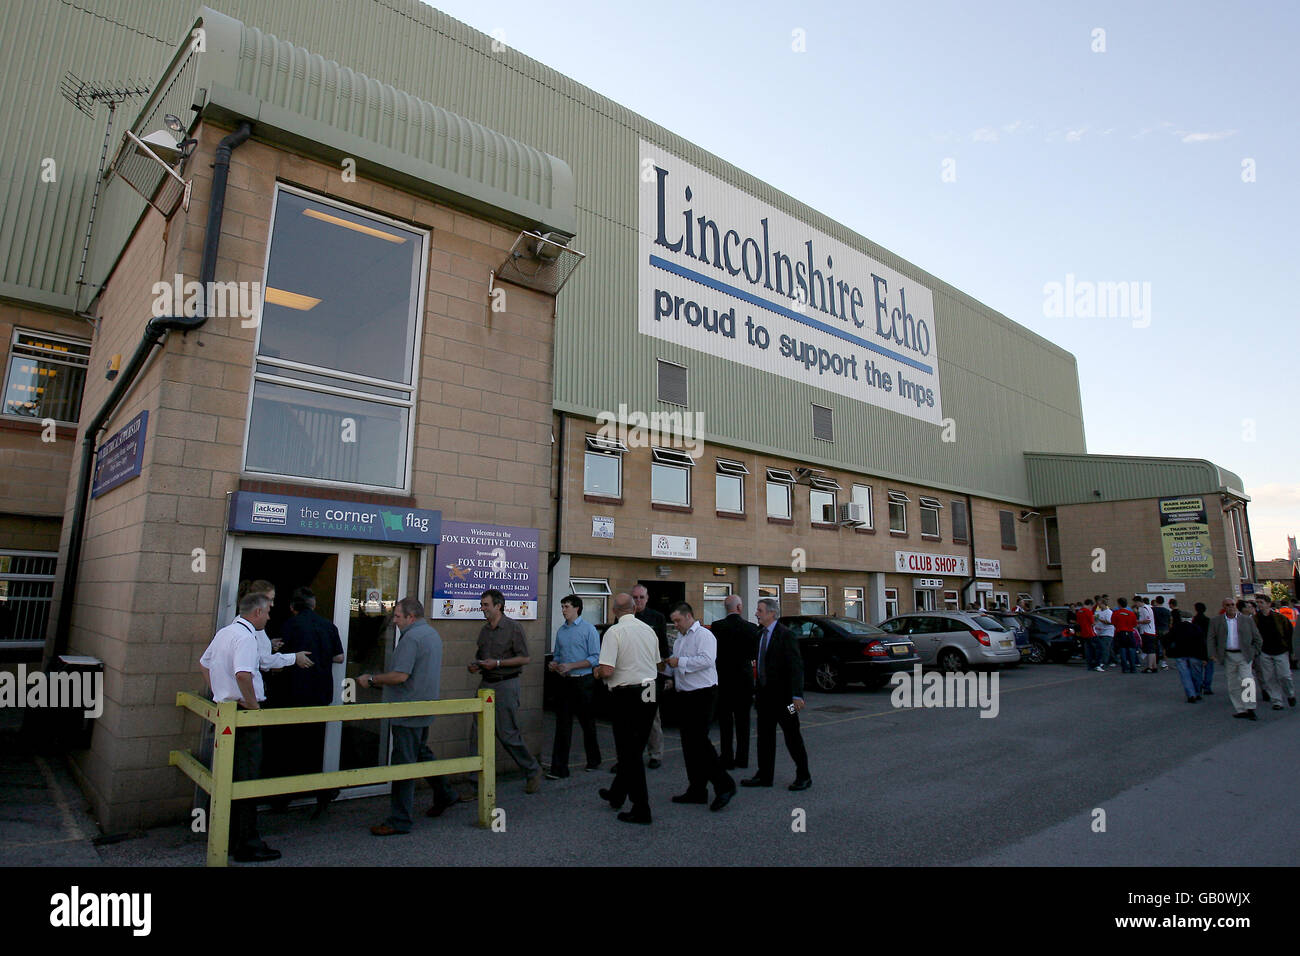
[(839, 650), (956, 640), (1049, 639), (1062, 615)]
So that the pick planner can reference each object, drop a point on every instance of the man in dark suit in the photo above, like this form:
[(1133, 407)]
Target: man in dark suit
[(314, 687), (779, 698), (737, 651), (648, 615)]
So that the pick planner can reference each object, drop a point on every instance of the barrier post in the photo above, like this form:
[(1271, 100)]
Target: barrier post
[(487, 748), (223, 774)]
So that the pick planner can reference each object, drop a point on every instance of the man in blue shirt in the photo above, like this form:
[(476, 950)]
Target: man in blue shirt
[(577, 651)]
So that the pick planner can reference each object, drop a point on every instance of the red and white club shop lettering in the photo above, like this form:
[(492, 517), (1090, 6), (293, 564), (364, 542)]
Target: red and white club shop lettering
[(941, 564)]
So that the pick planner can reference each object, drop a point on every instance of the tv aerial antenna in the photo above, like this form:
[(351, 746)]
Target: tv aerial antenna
[(86, 96)]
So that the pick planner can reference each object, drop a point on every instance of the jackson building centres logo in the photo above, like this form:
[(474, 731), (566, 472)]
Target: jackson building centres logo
[(722, 273)]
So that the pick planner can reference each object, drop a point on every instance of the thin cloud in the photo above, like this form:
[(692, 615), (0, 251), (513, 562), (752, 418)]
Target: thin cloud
[(1074, 135), (985, 134), (1187, 137)]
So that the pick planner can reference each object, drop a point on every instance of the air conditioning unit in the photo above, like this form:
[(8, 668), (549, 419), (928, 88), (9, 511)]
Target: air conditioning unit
[(853, 513)]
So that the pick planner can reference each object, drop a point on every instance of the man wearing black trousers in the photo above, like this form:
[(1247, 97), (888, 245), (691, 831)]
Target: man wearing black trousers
[(779, 698), (695, 675), (629, 659), (737, 651)]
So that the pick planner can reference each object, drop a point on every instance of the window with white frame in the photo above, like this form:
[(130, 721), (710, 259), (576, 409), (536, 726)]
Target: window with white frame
[(26, 592), (951, 601), (862, 496), (891, 602), (854, 605), (922, 599), (1002, 599), (602, 467), (45, 377), (729, 486), (821, 506), (769, 591), (670, 477), (930, 516), (334, 385), (714, 595), (812, 600), (595, 596), (779, 483), (898, 512)]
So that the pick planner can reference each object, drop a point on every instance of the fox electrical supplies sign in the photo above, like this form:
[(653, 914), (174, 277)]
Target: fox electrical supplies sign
[(473, 558), (722, 273)]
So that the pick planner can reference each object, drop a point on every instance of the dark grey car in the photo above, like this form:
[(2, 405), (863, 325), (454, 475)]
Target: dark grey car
[(956, 640)]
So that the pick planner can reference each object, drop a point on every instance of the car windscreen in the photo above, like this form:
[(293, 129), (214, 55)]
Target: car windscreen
[(989, 623), (857, 628)]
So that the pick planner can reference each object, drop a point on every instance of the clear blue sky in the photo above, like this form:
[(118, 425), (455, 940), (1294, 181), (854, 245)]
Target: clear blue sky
[(1123, 165)]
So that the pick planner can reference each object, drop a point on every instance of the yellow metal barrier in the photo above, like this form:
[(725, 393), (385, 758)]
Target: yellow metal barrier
[(227, 718)]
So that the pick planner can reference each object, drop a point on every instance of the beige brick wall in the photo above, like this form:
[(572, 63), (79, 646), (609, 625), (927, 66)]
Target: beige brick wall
[(482, 453)]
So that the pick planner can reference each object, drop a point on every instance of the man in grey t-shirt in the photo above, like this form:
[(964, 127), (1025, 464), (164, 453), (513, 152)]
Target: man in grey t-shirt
[(414, 674)]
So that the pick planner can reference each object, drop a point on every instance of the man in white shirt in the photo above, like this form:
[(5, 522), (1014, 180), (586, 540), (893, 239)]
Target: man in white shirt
[(1105, 632), (1233, 641), (629, 661), (693, 667), (230, 665), (1147, 634)]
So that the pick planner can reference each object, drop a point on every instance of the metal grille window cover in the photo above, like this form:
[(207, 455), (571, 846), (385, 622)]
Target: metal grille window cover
[(823, 423), (673, 385), (45, 376), (541, 263), (26, 593), (1008, 523)]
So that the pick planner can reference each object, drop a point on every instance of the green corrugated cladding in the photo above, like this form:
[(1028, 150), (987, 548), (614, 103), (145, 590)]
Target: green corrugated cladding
[(1006, 388), (1077, 479)]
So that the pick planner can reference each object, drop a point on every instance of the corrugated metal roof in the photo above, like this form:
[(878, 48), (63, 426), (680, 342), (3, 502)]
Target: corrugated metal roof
[(1006, 388), (1075, 479)]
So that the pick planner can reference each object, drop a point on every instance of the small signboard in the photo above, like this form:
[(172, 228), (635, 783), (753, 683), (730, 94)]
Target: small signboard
[(988, 568), (120, 457), (791, 585), (329, 518), (602, 527), (474, 558), (672, 546), (926, 583)]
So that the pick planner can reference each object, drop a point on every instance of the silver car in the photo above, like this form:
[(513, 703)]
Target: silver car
[(956, 640)]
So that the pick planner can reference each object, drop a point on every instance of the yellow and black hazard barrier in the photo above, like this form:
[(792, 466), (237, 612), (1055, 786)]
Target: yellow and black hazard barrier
[(227, 718)]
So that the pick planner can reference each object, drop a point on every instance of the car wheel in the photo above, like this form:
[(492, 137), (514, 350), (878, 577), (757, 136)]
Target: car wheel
[(1037, 652), (829, 676), (951, 661)]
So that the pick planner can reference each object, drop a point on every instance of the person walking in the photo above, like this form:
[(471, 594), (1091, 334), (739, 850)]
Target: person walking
[(500, 657), (1234, 641), (577, 651), (694, 673), (1202, 625), (1105, 631), (648, 615), (629, 661), (1084, 619), (737, 651), (1187, 648), (1126, 636), (1150, 643), (779, 698), (1275, 654)]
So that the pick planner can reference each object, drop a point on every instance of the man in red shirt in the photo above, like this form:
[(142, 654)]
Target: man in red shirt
[(1126, 623), (1083, 621)]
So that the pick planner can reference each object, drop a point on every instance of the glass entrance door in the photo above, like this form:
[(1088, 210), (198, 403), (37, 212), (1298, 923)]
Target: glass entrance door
[(374, 587)]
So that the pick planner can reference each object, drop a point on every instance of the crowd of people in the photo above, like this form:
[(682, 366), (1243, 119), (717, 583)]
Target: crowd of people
[(1252, 642), (725, 670)]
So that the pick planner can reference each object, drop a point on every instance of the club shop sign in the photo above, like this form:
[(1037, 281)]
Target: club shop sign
[(723, 273), (914, 562), (326, 518)]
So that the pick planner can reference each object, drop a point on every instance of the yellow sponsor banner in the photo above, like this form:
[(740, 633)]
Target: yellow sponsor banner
[(1185, 538)]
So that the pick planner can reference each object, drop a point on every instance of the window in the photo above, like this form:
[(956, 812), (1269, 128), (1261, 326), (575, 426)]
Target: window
[(960, 526), (595, 595), (46, 375), (26, 592), (862, 496), (821, 506), (778, 492), (812, 600), (602, 469), (1052, 534), (1239, 540), (1002, 599), (823, 423), (891, 602), (769, 591), (670, 477), (714, 595), (730, 486), (335, 379), (672, 383), (898, 512), (854, 606), (930, 516), (950, 601), (923, 599), (1008, 522)]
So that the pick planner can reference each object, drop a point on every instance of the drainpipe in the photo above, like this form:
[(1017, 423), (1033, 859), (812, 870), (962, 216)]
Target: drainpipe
[(559, 501), (155, 331), (970, 535)]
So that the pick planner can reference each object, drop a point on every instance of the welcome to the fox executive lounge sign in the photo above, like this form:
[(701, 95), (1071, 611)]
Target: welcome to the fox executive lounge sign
[(722, 273)]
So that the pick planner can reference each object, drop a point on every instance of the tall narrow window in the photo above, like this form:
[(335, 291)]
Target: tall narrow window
[(854, 606), (670, 477), (779, 482), (602, 467), (729, 486), (1007, 521), (714, 595), (960, 525), (891, 602), (862, 497), (898, 512), (1052, 533), (930, 516), (335, 380)]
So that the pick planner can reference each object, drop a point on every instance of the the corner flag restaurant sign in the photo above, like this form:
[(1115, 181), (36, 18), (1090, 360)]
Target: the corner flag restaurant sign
[(325, 518), (473, 558), (725, 274), (120, 457)]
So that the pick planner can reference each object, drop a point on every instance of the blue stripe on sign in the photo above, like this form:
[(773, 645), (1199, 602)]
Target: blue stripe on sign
[(661, 263)]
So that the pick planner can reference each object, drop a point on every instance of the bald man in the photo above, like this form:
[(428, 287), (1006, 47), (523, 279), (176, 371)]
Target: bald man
[(629, 662), (737, 651)]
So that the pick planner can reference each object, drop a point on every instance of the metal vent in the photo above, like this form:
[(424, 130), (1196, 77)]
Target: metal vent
[(672, 383), (823, 423)]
